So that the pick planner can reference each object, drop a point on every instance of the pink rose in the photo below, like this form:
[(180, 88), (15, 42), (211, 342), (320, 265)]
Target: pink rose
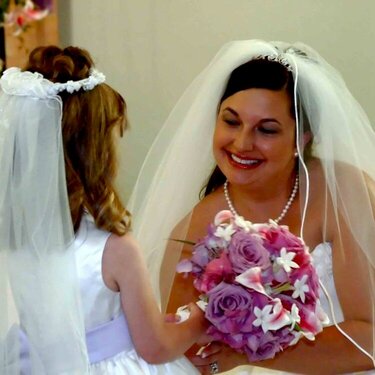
[(216, 271), (275, 238)]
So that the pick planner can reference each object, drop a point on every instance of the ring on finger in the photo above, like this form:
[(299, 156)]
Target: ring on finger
[(214, 368)]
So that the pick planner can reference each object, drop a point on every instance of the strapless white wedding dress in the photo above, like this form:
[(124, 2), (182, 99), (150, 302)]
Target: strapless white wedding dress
[(322, 259)]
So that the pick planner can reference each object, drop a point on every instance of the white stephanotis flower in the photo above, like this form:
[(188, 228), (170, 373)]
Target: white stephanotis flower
[(294, 316), (271, 317), (262, 316), (285, 260), (300, 288), (202, 305), (242, 223), (259, 226), (225, 232), (298, 335), (216, 243)]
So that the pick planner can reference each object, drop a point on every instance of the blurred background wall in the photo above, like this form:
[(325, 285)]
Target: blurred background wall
[(151, 50)]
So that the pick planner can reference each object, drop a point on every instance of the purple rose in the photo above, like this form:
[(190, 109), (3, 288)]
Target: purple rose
[(262, 346), (285, 337), (246, 251), (230, 307), (200, 256), (236, 341)]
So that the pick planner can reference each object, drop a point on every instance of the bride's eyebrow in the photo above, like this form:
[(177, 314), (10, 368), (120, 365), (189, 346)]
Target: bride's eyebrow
[(271, 119), (261, 121), (231, 110)]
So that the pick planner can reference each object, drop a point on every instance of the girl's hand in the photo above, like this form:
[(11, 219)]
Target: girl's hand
[(172, 318), (191, 311)]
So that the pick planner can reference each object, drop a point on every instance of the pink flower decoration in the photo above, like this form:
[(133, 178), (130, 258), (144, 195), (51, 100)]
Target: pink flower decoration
[(23, 15), (216, 271), (252, 279), (222, 217)]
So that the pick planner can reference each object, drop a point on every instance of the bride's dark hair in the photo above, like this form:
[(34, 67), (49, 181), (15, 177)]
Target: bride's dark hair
[(259, 73)]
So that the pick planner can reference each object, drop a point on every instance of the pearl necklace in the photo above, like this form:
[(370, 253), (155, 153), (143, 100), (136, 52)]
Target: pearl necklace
[(283, 212)]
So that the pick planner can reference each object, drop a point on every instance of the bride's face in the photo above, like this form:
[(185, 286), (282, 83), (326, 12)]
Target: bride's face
[(254, 139)]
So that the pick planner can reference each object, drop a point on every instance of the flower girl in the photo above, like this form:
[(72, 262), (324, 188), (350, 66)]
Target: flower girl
[(76, 297)]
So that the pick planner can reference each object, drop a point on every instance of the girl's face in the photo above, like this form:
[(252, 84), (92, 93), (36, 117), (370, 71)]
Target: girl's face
[(254, 139)]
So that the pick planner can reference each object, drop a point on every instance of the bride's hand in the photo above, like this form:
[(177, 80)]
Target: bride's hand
[(217, 356), (206, 357)]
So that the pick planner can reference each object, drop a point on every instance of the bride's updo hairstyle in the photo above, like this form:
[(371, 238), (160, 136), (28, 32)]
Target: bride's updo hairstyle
[(89, 118), (259, 73)]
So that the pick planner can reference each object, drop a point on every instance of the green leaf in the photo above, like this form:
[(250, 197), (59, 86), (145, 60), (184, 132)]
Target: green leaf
[(182, 241)]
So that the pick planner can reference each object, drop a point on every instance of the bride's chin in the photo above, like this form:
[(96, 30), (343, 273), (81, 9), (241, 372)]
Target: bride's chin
[(242, 176)]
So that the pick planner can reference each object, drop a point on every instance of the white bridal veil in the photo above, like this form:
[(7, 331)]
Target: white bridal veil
[(180, 159), (38, 281)]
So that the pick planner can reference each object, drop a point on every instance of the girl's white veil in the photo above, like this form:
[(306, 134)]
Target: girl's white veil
[(180, 158), (38, 276)]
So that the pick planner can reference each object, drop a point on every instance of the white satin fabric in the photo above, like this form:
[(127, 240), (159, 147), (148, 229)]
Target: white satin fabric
[(100, 305)]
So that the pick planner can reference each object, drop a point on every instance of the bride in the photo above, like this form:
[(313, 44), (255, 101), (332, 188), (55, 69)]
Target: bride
[(289, 143)]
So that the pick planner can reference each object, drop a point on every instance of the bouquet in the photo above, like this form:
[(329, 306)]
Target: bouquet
[(260, 290)]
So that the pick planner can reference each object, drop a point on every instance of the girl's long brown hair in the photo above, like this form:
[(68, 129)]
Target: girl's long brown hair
[(88, 123)]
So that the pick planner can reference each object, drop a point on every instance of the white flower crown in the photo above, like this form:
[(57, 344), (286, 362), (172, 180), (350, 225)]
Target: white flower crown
[(25, 83)]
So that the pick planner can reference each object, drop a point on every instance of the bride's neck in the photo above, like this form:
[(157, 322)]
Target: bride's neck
[(263, 202)]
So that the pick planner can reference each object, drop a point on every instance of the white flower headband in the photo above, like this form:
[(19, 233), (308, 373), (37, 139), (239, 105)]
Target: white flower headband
[(25, 83), (94, 79)]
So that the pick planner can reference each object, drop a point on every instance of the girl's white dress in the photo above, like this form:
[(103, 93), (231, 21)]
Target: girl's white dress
[(110, 347)]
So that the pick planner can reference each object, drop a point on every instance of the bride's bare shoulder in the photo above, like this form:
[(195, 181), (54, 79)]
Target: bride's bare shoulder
[(318, 173), (204, 212)]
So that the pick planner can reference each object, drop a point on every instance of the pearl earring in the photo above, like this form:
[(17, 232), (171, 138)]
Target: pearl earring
[(296, 154)]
